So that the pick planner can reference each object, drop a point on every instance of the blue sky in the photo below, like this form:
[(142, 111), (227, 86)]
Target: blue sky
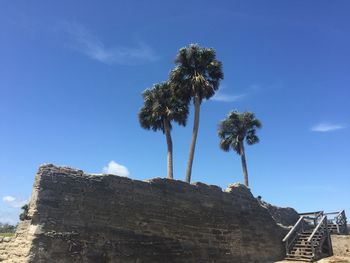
[(72, 74)]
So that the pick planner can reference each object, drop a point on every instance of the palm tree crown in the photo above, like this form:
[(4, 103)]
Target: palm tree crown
[(197, 72), (232, 132), (197, 75), (237, 127), (161, 105), (159, 110)]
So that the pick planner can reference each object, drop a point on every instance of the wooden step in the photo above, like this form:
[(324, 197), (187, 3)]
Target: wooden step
[(302, 248), (307, 242), (299, 256), (304, 245), (307, 255), (294, 258), (306, 238)]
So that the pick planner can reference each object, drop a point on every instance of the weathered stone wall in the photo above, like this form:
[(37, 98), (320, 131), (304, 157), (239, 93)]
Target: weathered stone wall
[(77, 217), (285, 216), (17, 248)]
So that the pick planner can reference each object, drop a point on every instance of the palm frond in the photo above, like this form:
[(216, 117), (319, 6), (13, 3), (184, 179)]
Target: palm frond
[(197, 72), (237, 127), (161, 104)]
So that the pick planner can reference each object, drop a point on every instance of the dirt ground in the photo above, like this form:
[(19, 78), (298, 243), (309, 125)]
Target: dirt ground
[(334, 259)]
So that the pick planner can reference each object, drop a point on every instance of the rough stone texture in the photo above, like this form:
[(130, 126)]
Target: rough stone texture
[(341, 245), (285, 216), (17, 249), (77, 217)]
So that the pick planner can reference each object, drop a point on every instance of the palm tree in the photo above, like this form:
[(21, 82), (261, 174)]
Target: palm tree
[(159, 110), (232, 132), (197, 75)]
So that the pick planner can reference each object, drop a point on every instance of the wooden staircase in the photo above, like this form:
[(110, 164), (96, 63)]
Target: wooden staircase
[(302, 249), (337, 224), (309, 239), (333, 228)]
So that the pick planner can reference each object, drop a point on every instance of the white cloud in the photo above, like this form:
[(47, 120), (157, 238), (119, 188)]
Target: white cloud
[(14, 202), (224, 97), (326, 127), (81, 40), (116, 168), (8, 199), (228, 98)]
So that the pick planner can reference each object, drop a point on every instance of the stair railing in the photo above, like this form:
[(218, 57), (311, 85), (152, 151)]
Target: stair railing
[(293, 233), (341, 222), (312, 218), (317, 217), (322, 230)]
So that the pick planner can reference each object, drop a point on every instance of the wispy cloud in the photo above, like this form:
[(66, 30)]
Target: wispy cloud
[(224, 97), (228, 98), (116, 168), (326, 127), (8, 199), (13, 201), (85, 42), (255, 88)]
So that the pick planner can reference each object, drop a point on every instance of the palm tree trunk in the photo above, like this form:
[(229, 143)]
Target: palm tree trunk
[(244, 164), (170, 149), (194, 138)]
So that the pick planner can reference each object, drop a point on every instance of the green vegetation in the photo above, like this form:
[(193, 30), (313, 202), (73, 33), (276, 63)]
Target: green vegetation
[(236, 128), (24, 215), (7, 234), (7, 229), (160, 108), (196, 76)]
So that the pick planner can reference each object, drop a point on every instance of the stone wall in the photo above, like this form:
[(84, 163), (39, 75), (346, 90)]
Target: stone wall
[(285, 216), (17, 248), (76, 217)]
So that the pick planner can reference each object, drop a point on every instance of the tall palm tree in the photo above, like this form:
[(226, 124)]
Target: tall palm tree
[(159, 110), (196, 76), (236, 128)]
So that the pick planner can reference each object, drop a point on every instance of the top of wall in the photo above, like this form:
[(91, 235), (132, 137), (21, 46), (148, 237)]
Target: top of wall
[(77, 217)]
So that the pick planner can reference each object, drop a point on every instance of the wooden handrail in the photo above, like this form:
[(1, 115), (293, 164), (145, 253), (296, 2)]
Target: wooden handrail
[(310, 213), (333, 213), (319, 214), (317, 228), (341, 213), (341, 222), (293, 229)]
